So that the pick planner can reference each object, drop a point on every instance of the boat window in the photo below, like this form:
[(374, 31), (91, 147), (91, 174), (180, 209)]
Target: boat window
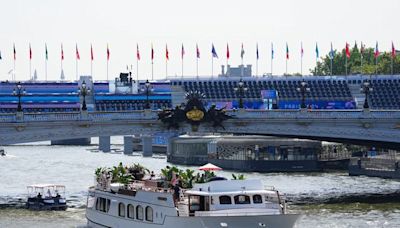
[(242, 199), (139, 212), (102, 204), (149, 214), (121, 209), (257, 199), (225, 200), (194, 203), (131, 211)]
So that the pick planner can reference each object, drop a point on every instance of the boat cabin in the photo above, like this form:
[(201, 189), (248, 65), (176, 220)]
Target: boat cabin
[(46, 197), (231, 197)]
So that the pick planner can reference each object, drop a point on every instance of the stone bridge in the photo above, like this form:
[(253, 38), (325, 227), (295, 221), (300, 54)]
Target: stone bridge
[(353, 126)]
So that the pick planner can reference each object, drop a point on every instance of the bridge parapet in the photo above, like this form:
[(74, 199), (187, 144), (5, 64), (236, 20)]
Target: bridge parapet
[(241, 114)]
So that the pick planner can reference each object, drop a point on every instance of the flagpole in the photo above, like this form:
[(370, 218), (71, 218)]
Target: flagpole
[(376, 65), (14, 73), (137, 70), (212, 67), (346, 64), (152, 70), (391, 65), (331, 65), (30, 68), (197, 66), (272, 61), (166, 68), (182, 66), (286, 66), (301, 65), (257, 68), (45, 65)]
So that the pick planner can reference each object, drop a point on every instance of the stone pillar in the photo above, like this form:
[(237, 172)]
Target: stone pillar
[(128, 145), (104, 143), (147, 142)]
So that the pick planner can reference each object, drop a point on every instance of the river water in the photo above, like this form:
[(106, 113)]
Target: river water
[(325, 199)]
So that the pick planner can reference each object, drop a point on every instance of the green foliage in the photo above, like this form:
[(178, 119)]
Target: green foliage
[(238, 177), (354, 63)]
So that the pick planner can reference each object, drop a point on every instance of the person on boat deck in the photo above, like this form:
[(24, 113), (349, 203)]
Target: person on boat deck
[(175, 179), (152, 175), (39, 195), (177, 190), (57, 195)]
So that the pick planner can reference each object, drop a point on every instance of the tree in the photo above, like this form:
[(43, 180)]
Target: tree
[(354, 63)]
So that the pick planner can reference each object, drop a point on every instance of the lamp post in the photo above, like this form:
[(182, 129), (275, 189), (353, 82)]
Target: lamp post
[(84, 91), (241, 89), (147, 90), (19, 92), (303, 89), (366, 89)]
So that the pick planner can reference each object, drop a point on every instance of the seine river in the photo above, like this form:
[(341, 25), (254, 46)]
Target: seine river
[(324, 199)]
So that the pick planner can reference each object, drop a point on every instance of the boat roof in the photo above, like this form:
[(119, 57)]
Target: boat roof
[(46, 186), (244, 192)]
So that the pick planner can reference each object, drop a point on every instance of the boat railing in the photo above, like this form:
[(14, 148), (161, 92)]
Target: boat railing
[(238, 213)]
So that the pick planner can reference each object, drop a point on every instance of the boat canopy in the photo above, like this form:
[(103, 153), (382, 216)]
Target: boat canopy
[(46, 186)]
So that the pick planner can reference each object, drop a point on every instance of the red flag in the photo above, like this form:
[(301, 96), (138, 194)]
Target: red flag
[(182, 52), (15, 53), (197, 51), (62, 53), (77, 52), (152, 52), (393, 51), (91, 52), (377, 53), (227, 52), (30, 52), (108, 53), (347, 51), (137, 52), (166, 52)]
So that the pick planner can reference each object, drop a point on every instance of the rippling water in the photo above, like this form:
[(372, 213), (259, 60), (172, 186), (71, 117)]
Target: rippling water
[(325, 199)]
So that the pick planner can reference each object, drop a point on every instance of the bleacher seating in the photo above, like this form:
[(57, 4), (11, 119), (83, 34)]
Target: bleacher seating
[(287, 89), (385, 94)]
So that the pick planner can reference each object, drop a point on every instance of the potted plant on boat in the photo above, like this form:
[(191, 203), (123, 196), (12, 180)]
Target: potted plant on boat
[(138, 171)]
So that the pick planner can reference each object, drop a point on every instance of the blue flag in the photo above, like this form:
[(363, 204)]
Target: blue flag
[(258, 56), (316, 50), (272, 50), (213, 52), (331, 53)]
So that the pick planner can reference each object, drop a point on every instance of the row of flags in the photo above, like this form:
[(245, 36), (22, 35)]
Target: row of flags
[(214, 52)]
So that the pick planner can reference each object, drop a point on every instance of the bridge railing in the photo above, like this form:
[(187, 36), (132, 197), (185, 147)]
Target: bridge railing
[(315, 114), (239, 114)]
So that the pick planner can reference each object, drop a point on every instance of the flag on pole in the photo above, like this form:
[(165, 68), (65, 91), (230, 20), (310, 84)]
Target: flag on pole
[(91, 52), (152, 52), (214, 52), (137, 52), (197, 51), (316, 50), (0, 55), (182, 52), (331, 53), (108, 53), (377, 53), (15, 53), (393, 51), (62, 53), (77, 52), (257, 54), (30, 52), (347, 51), (272, 50), (302, 50), (166, 52), (47, 54), (287, 51), (227, 52), (362, 49), (242, 52)]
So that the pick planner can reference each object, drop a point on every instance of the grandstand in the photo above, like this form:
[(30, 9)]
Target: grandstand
[(337, 92)]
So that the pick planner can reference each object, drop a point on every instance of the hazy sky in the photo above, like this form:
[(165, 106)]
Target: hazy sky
[(123, 23)]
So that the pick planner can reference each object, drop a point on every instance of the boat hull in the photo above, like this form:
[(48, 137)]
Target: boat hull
[(96, 219)]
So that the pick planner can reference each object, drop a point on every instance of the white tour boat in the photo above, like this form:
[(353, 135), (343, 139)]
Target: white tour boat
[(219, 203)]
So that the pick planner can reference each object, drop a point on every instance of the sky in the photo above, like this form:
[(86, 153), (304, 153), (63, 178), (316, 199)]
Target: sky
[(122, 24)]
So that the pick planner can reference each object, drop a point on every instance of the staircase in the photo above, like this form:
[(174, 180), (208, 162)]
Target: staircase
[(357, 94), (177, 96)]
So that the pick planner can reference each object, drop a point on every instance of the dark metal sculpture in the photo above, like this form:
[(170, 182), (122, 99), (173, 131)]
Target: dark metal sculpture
[(194, 113)]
